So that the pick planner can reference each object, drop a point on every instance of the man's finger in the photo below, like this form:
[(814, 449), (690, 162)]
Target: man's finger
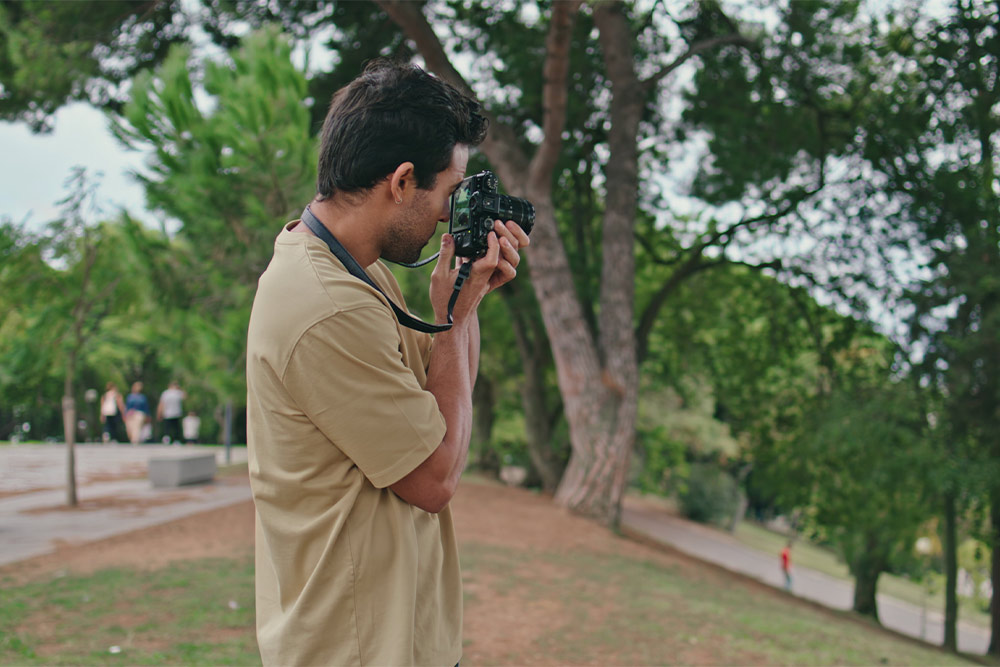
[(509, 253), (504, 273), (447, 252), (517, 233)]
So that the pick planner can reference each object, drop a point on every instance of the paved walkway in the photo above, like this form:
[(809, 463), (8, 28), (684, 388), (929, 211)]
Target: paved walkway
[(722, 549), (113, 492)]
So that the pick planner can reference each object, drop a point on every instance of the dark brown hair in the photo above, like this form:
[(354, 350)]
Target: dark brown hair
[(393, 113)]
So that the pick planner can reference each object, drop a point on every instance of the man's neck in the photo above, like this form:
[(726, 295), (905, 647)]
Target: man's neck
[(354, 226)]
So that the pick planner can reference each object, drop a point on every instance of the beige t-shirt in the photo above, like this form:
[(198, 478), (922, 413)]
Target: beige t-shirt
[(346, 571)]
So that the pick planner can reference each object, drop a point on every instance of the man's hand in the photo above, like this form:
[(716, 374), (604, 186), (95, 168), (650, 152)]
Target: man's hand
[(497, 267), (512, 238)]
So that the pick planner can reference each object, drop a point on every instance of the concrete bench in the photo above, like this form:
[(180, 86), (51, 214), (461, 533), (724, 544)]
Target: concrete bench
[(167, 471)]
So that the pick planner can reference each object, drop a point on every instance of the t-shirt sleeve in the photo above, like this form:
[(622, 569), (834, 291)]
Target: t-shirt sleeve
[(348, 376)]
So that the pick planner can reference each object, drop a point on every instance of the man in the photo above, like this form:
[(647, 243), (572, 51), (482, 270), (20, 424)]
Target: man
[(359, 427), (170, 410)]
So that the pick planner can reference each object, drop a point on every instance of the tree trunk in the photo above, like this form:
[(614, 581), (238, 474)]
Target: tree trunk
[(599, 404), (994, 648), (69, 433), (533, 347), (483, 398), (950, 544), (866, 568), (604, 425), (598, 380)]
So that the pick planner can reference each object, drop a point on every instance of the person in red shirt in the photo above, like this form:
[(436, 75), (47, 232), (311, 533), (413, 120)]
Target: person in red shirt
[(786, 565)]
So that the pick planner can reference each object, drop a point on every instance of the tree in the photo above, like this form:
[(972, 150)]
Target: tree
[(69, 284), (867, 463), (229, 171), (55, 52), (597, 368), (939, 153)]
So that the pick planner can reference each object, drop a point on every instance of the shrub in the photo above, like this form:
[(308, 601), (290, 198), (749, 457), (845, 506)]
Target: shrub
[(711, 495)]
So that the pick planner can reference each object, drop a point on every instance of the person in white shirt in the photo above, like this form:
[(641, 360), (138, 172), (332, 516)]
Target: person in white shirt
[(191, 425), (170, 410), (112, 413)]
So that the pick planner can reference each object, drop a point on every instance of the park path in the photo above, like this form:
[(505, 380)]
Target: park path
[(720, 548), (114, 494)]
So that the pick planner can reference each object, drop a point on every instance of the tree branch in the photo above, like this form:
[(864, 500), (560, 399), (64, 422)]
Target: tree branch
[(694, 264), (725, 236), (500, 145), (555, 92), (691, 266), (694, 50)]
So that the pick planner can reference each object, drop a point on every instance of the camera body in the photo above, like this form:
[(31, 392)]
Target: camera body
[(474, 207)]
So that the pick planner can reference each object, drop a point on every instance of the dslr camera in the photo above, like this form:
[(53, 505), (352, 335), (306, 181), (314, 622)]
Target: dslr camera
[(474, 207)]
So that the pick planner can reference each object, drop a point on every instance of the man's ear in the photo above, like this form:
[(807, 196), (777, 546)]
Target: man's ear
[(402, 181)]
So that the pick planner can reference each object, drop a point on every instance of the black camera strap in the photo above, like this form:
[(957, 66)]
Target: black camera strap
[(356, 270)]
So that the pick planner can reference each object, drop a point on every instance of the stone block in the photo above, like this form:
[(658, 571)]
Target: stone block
[(168, 471)]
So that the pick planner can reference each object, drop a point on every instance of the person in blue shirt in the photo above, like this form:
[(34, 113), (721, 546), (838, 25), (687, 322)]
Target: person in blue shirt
[(136, 413)]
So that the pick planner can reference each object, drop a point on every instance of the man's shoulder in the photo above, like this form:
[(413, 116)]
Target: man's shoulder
[(324, 304), (304, 267)]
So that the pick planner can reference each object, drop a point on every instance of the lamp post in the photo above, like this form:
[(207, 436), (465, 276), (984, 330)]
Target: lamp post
[(923, 547)]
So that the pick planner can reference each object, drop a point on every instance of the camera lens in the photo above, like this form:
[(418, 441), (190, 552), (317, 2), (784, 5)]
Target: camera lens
[(519, 210)]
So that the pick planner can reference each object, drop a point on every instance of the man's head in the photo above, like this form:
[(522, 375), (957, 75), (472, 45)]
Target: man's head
[(391, 114)]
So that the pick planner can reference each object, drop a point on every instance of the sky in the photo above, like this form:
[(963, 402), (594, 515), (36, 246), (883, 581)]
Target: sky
[(34, 167)]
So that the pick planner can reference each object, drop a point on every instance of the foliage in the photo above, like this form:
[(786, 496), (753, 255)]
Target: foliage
[(76, 288), (54, 52), (867, 464), (938, 151), (673, 432), (230, 168), (709, 495)]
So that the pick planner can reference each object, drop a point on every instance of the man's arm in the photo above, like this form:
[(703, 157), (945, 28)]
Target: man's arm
[(431, 485), (473, 351), (453, 366)]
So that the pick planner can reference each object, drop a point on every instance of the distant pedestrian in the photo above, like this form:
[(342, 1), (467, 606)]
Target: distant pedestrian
[(170, 410), (136, 413), (786, 565), (191, 425), (112, 413)]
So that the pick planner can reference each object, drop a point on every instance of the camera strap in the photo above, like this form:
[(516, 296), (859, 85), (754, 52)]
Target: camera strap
[(356, 270)]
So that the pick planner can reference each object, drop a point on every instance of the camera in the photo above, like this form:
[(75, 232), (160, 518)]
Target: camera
[(474, 207)]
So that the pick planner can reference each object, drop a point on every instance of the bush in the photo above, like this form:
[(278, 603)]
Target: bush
[(711, 495), (658, 465)]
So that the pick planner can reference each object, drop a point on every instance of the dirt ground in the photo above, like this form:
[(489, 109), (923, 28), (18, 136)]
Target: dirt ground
[(486, 513)]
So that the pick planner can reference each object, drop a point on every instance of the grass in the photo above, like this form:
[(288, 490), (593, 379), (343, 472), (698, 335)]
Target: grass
[(620, 610), (197, 613), (578, 607), (826, 561)]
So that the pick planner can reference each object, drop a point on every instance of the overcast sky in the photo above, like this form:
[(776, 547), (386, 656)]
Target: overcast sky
[(34, 167)]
